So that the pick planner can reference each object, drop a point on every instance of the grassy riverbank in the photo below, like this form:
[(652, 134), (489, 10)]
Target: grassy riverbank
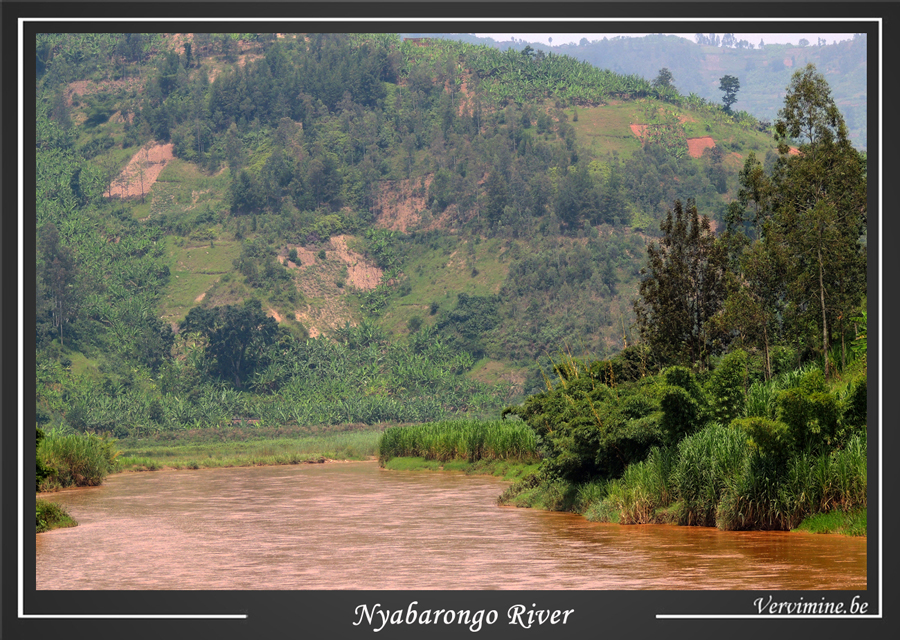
[(211, 448), (49, 515), (508, 470), (715, 478), (503, 448), (848, 523)]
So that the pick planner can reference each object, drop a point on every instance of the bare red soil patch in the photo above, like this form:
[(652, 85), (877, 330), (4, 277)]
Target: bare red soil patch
[(399, 203), (638, 130), (360, 274), (696, 146), (141, 171)]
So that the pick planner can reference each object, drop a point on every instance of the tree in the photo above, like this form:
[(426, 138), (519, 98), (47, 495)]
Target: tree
[(57, 276), (683, 291), (819, 208), (238, 335), (664, 79), (730, 85)]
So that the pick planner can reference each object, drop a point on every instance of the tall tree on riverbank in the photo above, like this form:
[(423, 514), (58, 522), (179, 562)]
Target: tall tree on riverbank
[(684, 290), (819, 211)]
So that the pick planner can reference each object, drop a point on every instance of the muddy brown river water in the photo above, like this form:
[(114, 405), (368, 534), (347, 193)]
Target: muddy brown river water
[(356, 526)]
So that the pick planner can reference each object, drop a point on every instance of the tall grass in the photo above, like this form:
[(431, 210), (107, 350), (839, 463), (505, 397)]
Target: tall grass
[(349, 445), (706, 462), (644, 488), (715, 478), (767, 495), (762, 395), (78, 459), (469, 440)]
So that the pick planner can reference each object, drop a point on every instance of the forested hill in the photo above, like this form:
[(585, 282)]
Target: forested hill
[(763, 69), (346, 228)]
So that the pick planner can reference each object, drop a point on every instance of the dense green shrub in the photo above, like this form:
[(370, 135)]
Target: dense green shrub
[(49, 515), (810, 412), (683, 404), (855, 408), (727, 387), (78, 459)]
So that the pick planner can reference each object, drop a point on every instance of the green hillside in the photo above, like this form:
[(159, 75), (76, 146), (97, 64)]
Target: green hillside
[(763, 69), (339, 228)]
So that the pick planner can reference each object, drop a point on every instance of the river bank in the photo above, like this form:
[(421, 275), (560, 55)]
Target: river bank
[(505, 469), (242, 448)]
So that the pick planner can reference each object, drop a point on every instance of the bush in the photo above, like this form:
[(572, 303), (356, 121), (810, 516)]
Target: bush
[(81, 460), (727, 387), (682, 403), (810, 412), (49, 515), (855, 407)]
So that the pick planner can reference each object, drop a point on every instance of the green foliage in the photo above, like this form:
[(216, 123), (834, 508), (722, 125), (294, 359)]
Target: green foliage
[(469, 321), (827, 266), (238, 337), (730, 85), (681, 413), (727, 386), (77, 459), (49, 515), (582, 429), (43, 471), (859, 345), (770, 437), (851, 523), (683, 291), (810, 412), (460, 440), (855, 405)]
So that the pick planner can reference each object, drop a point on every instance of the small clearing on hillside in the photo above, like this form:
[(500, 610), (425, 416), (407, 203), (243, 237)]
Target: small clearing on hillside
[(696, 146), (400, 203), (361, 274), (325, 284), (141, 171)]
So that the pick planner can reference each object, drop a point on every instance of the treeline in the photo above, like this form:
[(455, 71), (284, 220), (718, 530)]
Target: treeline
[(232, 364)]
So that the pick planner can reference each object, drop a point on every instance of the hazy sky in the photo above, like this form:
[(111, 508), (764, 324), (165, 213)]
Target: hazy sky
[(752, 38)]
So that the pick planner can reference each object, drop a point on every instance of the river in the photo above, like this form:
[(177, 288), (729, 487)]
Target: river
[(356, 526)]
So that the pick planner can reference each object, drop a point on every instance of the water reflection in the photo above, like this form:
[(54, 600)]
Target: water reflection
[(355, 526)]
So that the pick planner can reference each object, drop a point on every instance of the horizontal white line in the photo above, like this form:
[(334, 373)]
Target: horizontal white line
[(761, 615), (448, 19), (139, 616)]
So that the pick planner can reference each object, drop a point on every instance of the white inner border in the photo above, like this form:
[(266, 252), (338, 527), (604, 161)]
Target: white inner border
[(586, 22)]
